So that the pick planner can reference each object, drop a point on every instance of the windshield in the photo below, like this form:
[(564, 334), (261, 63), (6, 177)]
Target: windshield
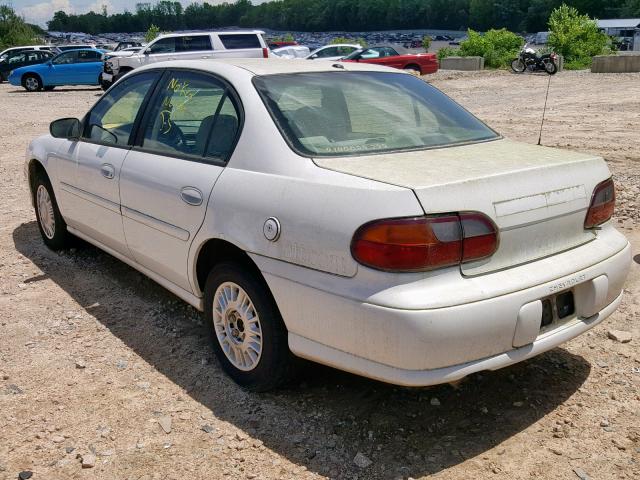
[(350, 113)]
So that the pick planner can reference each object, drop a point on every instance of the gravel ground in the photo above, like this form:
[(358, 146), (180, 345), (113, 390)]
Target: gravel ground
[(105, 375)]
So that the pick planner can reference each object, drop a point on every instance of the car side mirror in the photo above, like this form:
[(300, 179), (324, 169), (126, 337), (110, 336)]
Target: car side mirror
[(68, 128)]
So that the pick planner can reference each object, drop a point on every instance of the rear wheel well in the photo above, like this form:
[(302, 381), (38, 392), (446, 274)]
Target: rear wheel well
[(413, 66), (215, 251)]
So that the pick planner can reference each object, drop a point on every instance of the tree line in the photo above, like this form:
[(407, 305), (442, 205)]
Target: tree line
[(340, 15)]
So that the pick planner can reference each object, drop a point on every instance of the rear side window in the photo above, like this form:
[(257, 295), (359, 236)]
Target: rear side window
[(88, 56), (234, 42), (192, 116), (193, 44)]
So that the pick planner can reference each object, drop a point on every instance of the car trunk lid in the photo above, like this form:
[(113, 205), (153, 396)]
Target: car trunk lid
[(537, 196)]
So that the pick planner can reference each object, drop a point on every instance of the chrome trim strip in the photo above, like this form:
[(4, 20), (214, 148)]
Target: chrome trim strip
[(91, 197), (164, 227)]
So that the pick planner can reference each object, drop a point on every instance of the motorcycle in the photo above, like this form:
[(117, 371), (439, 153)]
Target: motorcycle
[(528, 59)]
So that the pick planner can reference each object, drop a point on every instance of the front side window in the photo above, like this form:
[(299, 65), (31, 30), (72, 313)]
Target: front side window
[(164, 45), (343, 51), (238, 41), (350, 113), (328, 52), (193, 115), (112, 119), (66, 58), (196, 43)]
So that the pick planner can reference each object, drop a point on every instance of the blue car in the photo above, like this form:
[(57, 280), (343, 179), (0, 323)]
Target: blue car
[(73, 67)]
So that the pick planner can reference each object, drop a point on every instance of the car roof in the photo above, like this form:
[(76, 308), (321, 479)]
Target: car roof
[(271, 66), (210, 32)]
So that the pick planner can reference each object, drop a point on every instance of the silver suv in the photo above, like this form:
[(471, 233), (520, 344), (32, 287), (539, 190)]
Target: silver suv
[(186, 46)]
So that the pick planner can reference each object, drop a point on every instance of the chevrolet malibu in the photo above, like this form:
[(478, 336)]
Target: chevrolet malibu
[(347, 214)]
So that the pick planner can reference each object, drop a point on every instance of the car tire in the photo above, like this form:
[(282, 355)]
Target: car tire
[(32, 83), (50, 222), (1, 78), (413, 69), (246, 330)]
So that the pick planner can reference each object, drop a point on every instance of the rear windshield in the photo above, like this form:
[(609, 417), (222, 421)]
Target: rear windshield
[(234, 42), (355, 113)]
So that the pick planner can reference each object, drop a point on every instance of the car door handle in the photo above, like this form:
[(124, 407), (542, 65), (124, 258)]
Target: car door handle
[(107, 171), (191, 195)]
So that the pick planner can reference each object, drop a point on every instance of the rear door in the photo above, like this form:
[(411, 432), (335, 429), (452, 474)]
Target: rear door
[(196, 46), (89, 67), (186, 136)]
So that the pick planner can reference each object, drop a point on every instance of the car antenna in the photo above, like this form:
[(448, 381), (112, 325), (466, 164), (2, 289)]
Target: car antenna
[(544, 110)]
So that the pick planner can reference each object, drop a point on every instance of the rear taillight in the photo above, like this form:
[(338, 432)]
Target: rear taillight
[(265, 52), (424, 243), (603, 202)]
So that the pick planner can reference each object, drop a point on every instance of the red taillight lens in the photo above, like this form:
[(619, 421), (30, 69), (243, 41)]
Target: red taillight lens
[(424, 243), (603, 202), (265, 52)]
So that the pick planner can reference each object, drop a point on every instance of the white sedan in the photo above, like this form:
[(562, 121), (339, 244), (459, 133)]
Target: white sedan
[(348, 214), (333, 52)]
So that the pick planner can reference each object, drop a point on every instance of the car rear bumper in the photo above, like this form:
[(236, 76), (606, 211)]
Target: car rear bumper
[(430, 346)]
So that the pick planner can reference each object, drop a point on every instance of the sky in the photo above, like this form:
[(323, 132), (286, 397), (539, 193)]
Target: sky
[(41, 11)]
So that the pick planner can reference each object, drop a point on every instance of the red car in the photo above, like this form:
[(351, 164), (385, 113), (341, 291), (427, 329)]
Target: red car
[(397, 57)]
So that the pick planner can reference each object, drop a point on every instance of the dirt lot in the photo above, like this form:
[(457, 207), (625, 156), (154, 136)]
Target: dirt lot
[(95, 358)]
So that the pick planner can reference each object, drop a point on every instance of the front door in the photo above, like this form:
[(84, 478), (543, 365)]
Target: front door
[(61, 69), (99, 156), (190, 129)]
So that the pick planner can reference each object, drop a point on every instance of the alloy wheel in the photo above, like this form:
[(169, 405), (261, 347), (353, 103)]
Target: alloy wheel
[(45, 212), (237, 326)]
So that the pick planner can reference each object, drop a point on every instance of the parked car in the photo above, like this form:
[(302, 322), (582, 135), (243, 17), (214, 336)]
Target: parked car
[(22, 58), (73, 67), (333, 52), (396, 57), (186, 46), (349, 214), (5, 53), (295, 51)]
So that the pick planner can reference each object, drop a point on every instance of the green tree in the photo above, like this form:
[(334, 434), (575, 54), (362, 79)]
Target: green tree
[(576, 37), (152, 33), (13, 30), (426, 42)]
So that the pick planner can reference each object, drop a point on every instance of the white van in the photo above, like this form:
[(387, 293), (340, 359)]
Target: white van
[(187, 46)]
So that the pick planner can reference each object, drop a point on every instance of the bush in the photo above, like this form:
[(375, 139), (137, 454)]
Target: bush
[(497, 47), (359, 41), (445, 52), (576, 37)]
